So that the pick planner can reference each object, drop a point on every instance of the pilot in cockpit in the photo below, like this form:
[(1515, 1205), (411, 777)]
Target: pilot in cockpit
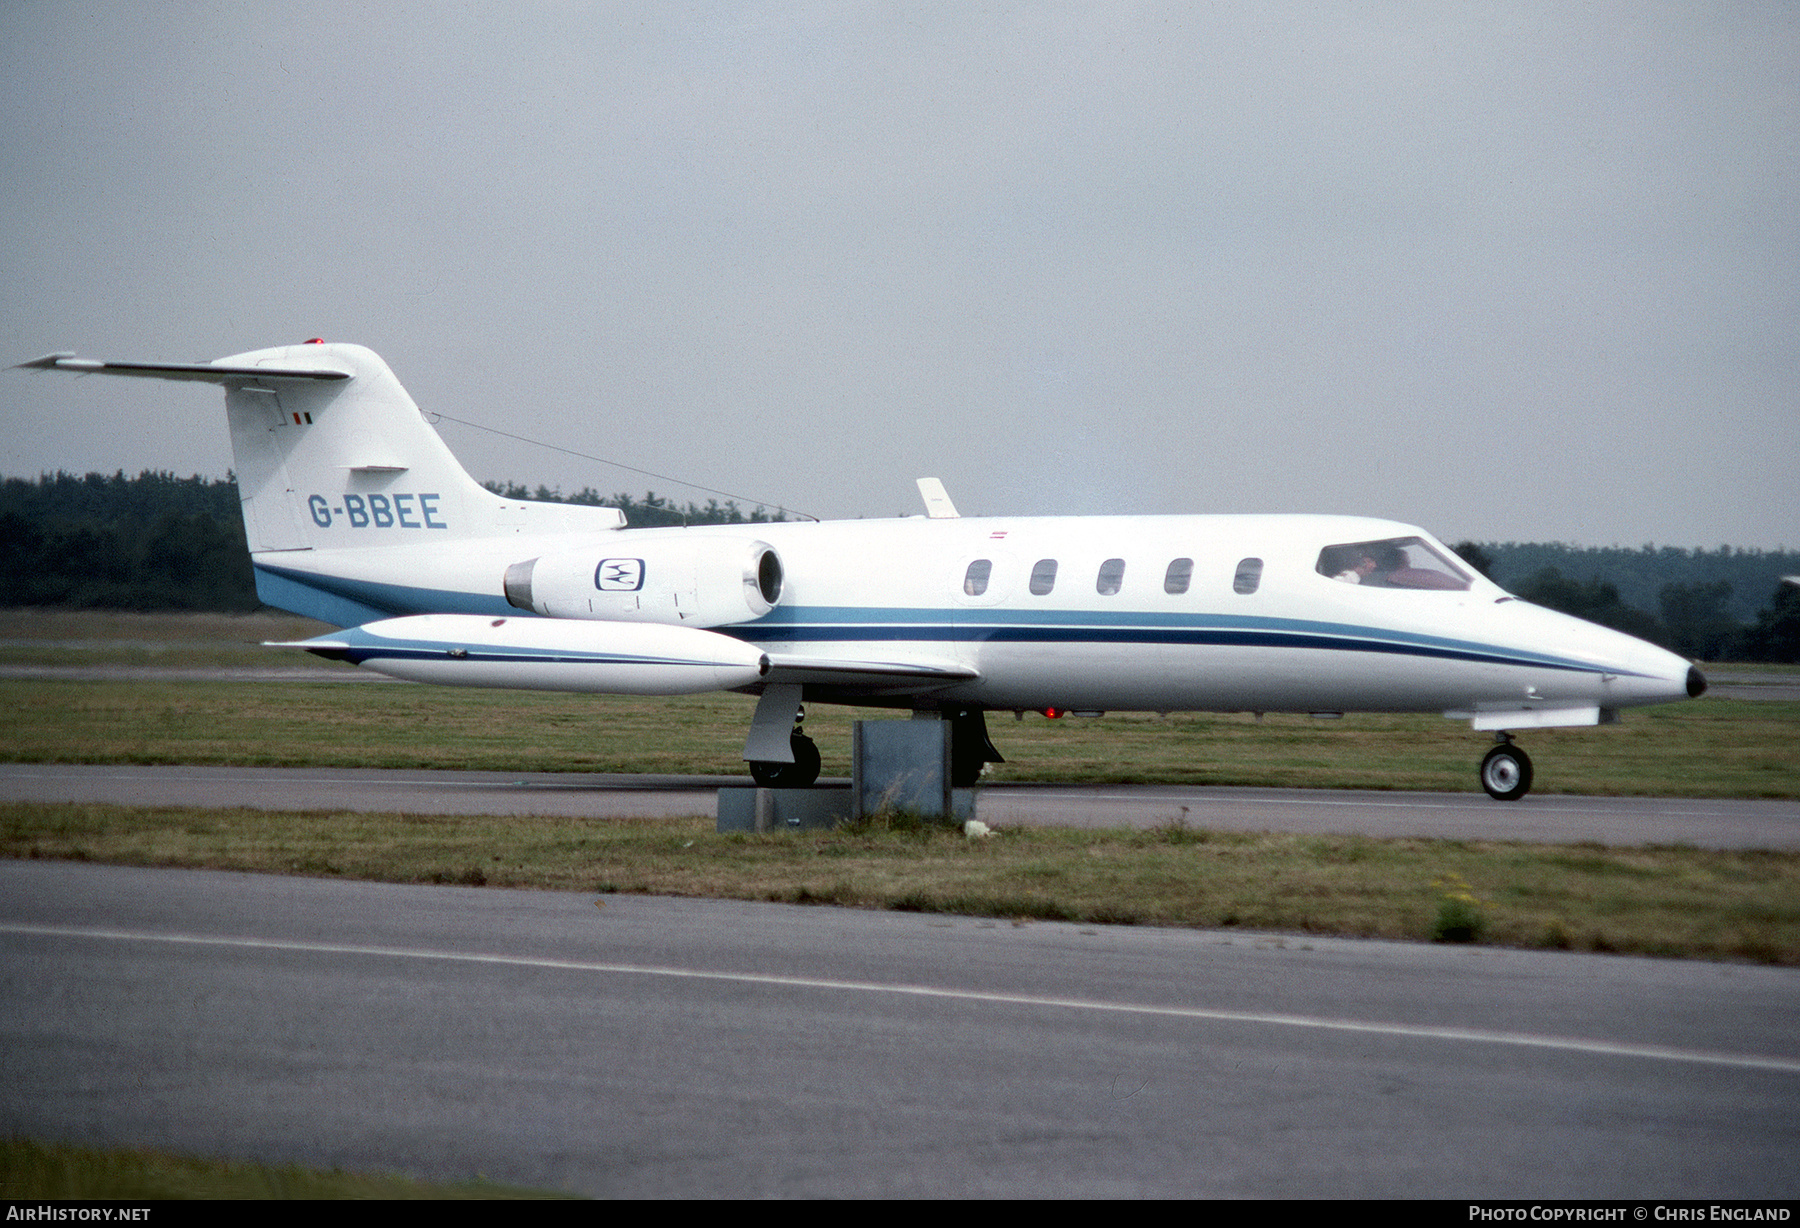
[(1357, 565), (1397, 563)]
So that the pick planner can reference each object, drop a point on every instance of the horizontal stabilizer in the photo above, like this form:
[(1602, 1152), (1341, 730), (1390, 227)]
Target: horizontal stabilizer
[(205, 372)]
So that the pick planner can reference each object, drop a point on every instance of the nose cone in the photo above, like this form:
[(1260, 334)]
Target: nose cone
[(1597, 664), (1642, 673)]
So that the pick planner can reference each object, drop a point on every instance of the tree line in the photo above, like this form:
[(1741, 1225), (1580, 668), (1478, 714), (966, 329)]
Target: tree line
[(1696, 610), (161, 542), (111, 542), (651, 511)]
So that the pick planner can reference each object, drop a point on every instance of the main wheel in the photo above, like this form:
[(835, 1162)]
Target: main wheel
[(1506, 773), (970, 750), (796, 775), (965, 772)]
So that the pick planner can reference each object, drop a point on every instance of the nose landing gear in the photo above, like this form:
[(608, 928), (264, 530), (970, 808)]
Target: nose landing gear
[(1506, 771)]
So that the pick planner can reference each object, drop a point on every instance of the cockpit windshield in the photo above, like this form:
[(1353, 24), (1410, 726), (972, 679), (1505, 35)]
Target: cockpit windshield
[(1396, 562)]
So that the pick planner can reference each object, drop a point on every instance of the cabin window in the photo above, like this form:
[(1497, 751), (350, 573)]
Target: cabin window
[(1179, 576), (1111, 578), (1397, 562), (1043, 576), (1248, 577), (975, 580)]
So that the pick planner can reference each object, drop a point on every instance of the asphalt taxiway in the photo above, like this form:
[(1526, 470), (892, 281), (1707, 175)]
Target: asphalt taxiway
[(623, 1046), (635, 1046), (1542, 818)]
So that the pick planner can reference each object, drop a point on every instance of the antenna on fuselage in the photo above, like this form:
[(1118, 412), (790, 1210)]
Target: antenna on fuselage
[(937, 500)]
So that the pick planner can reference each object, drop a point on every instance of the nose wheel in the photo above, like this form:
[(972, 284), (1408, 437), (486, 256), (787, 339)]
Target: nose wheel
[(1506, 771)]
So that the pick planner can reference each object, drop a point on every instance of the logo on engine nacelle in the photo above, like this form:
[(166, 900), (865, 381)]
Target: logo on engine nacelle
[(619, 575)]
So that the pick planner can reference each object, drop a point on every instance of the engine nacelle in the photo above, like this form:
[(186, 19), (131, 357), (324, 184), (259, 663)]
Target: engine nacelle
[(701, 580)]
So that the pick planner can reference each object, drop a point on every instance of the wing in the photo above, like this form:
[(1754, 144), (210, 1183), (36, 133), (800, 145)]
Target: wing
[(554, 654), (843, 676)]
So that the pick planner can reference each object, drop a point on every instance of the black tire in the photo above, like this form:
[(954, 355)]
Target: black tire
[(796, 775), (970, 750), (1506, 773)]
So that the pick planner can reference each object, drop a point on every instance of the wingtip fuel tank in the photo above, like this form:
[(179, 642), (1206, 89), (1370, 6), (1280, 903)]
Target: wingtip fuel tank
[(547, 654)]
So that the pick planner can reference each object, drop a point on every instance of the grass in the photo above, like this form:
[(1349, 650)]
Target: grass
[(1663, 901), (1704, 748), (107, 637), (1659, 901), (32, 1170), (1656, 901)]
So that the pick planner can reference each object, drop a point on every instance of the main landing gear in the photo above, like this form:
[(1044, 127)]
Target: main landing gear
[(970, 748), (1506, 771), (970, 751), (796, 775)]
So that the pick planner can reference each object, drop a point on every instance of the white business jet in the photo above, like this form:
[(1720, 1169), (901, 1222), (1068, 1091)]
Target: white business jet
[(358, 515)]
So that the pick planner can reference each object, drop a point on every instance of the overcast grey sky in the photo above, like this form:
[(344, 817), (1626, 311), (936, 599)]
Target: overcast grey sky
[(1509, 271)]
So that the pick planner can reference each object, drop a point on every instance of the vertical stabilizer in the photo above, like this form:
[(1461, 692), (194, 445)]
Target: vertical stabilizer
[(324, 464), (331, 453)]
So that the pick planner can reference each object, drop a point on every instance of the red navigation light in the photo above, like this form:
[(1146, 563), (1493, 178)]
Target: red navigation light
[(1055, 713)]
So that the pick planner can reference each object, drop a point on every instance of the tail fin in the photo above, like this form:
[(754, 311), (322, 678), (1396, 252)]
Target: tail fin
[(331, 453)]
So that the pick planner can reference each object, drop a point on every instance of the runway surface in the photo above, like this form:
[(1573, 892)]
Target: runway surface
[(660, 1047), (1544, 818)]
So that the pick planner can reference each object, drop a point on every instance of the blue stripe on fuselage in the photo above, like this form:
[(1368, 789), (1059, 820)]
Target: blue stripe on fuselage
[(851, 624), (345, 602)]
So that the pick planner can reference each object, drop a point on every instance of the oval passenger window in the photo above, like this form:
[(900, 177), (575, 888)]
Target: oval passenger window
[(1249, 575), (1111, 578), (1180, 573)]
